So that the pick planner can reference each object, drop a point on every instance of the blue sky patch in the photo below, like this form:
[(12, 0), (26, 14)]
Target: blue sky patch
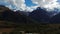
[(29, 3)]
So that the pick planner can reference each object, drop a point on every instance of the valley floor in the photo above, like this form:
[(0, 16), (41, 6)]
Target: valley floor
[(9, 27)]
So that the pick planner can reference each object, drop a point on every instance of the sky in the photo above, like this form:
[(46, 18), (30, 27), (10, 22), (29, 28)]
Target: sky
[(30, 5)]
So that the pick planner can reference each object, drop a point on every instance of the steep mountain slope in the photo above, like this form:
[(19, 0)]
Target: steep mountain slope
[(40, 15), (10, 15), (55, 19)]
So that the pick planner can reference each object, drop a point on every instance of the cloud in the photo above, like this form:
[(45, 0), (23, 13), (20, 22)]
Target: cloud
[(17, 4), (48, 4), (30, 9), (20, 4)]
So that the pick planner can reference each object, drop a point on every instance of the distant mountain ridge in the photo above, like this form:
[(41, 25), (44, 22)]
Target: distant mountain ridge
[(14, 16), (10, 15), (55, 19), (39, 15), (43, 16)]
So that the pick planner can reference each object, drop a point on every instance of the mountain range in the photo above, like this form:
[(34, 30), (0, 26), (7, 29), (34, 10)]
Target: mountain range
[(37, 16)]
